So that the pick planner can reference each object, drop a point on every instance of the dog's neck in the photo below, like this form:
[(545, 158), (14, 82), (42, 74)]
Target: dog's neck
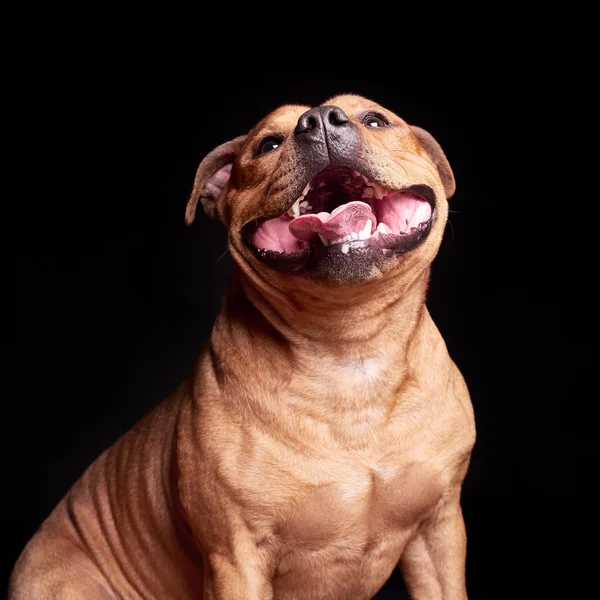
[(307, 326), (345, 365), (328, 317)]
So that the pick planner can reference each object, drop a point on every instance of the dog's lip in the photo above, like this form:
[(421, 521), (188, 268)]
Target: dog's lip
[(309, 256), (420, 189), (293, 257)]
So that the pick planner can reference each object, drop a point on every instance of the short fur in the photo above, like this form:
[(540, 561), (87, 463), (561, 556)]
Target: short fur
[(322, 439)]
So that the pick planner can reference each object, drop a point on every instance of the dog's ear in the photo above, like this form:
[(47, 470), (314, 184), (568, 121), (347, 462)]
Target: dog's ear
[(439, 159), (212, 178)]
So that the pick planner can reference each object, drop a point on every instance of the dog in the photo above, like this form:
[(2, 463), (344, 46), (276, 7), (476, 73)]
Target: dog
[(325, 433)]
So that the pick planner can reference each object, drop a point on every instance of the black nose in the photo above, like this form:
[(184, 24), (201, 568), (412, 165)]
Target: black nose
[(316, 122)]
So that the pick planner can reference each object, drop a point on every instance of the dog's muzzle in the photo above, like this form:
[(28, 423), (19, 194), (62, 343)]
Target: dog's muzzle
[(340, 210)]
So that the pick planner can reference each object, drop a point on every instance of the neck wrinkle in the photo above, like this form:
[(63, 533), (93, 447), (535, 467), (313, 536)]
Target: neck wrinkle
[(352, 326)]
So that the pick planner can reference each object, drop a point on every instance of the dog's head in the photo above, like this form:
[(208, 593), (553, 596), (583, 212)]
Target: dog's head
[(342, 194)]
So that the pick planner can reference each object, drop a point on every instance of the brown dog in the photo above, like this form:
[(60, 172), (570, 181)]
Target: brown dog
[(325, 433)]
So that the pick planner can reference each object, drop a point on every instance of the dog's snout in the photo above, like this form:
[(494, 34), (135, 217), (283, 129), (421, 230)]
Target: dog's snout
[(315, 123), (326, 134)]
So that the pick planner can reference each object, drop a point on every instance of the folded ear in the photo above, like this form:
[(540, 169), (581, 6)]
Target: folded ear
[(439, 159), (212, 178)]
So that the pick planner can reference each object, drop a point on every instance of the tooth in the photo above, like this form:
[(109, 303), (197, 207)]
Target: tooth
[(383, 228), (380, 192), (365, 232), (304, 206), (294, 210), (345, 248), (305, 191), (354, 235), (324, 240), (368, 192)]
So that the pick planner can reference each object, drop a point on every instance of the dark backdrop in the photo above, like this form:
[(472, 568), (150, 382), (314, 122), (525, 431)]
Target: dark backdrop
[(114, 295)]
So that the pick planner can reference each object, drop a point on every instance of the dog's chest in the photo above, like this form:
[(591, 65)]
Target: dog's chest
[(340, 498), (359, 504), (350, 532)]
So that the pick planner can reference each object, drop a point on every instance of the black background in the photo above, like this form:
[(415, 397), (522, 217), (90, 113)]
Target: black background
[(114, 295)]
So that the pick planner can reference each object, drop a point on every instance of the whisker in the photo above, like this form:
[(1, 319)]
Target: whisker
[(451, 228), (222, 255)]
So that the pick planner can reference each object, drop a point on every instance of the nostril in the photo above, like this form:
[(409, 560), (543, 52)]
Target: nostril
[(306, 123), (311, 123), (337, 117)]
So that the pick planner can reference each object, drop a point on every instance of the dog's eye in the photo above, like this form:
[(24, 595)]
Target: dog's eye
[(374, 121), (269, 144)]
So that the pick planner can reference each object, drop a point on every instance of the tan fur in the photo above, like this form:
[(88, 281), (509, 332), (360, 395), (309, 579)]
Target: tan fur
[(322, 439)]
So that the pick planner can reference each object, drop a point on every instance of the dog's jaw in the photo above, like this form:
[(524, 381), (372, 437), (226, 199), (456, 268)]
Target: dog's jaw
[(343, 226)]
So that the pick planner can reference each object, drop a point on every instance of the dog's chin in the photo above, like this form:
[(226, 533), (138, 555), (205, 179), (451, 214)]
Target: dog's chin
[(343, 229)]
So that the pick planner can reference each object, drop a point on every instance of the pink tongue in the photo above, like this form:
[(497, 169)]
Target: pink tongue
[(274, 235), (344, 220)]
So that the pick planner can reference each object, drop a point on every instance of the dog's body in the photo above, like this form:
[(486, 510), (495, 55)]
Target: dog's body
[(325, 433)]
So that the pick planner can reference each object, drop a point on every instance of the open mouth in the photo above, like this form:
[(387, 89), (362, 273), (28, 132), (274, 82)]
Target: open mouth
[(339, 210)]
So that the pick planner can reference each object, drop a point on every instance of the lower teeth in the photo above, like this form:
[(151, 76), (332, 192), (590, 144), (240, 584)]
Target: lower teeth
[(364, 234)]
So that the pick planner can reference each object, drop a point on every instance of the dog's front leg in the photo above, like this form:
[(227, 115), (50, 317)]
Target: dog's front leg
[(238, 575), (433, 562)]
